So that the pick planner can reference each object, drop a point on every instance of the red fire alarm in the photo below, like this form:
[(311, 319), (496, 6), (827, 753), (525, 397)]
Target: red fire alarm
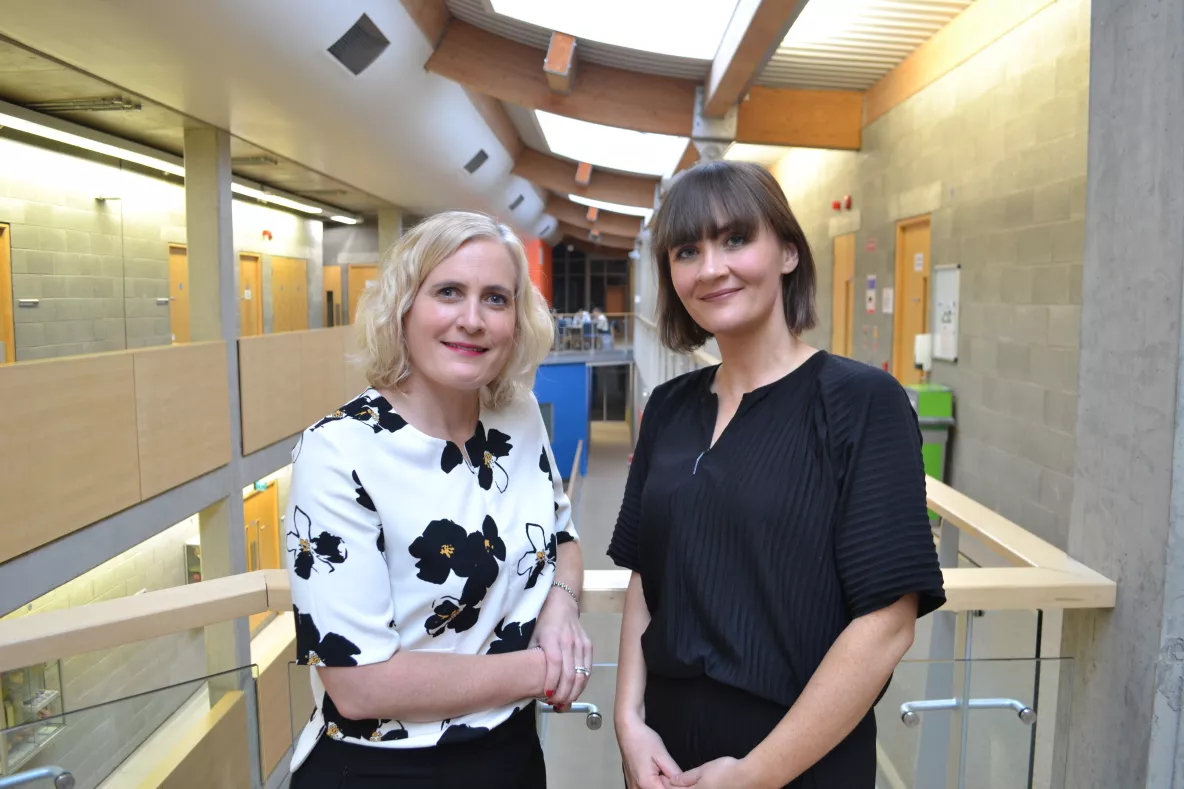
[(836, 205), (267, 234), (847, 202)]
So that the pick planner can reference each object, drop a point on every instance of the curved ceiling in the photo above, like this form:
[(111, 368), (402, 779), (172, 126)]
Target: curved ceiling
[(261, 70)]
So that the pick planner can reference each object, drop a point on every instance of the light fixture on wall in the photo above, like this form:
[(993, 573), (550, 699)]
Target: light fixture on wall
[(345, 220)]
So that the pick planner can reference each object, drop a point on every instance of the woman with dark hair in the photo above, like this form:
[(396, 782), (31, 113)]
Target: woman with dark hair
[(774, 518)]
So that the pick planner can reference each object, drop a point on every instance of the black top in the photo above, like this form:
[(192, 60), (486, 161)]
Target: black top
[(757, 552)]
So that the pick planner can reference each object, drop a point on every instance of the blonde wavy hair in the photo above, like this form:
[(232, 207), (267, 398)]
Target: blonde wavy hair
[(382, 308)]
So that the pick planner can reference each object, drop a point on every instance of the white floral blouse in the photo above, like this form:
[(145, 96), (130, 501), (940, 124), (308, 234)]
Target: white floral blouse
[(397, 543)]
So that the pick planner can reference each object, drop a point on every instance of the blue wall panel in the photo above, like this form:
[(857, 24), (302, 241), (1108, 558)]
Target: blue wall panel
[(567, 388)]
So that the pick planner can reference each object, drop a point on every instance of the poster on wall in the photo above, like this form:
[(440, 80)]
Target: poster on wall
[(887, 297), (871, 294), (946, 281)]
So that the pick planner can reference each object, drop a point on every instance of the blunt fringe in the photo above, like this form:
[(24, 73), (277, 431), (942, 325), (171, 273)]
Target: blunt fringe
[(708, 200), (383, 307)]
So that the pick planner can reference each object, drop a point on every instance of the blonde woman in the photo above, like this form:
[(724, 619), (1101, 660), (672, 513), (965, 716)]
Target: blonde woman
[(435, 569)]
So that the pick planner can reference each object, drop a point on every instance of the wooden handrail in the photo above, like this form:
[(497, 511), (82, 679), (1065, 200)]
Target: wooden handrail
[(1044, 577), (575, 470)]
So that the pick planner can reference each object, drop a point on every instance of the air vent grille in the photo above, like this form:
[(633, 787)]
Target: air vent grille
[(360, 46), (476, 162), (517, 202)]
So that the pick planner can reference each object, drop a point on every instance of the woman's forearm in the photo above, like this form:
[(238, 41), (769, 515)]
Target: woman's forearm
[(837, 697), (630, 700), (569, 568), (432, 686)]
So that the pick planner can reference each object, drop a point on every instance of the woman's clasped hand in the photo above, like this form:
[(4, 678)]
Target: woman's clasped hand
[(566, 647)]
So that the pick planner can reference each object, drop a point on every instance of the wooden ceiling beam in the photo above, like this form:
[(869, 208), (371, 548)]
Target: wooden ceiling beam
[(559, 175), (560, 64), (498, 121), (801, 118), (430, 16), (596, 249), (507, 70), (575, 214), (606, 239), (752, 36), (689, 157)]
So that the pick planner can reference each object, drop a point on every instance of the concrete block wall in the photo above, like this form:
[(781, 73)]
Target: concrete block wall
[(995, 151), (98, 267), (95, 742)]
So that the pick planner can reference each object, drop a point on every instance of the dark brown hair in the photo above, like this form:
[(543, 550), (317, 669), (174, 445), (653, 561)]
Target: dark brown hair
[(707, 201)]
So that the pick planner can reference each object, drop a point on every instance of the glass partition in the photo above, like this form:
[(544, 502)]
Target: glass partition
[(208, 735)]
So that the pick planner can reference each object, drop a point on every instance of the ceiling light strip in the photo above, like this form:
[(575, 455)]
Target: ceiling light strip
[(58, 130)]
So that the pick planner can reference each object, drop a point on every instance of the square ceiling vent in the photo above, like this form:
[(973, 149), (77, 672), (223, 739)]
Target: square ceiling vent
[(360, 46)]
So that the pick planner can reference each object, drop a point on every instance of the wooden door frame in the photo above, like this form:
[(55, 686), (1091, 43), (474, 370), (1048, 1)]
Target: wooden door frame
[(7, 318), (257, 284), (901, 268), (349, 293), (170, 246), (848, 297)]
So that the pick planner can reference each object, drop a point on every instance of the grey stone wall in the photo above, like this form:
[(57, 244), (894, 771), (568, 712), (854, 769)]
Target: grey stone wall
[(98, 267), (995, 151)]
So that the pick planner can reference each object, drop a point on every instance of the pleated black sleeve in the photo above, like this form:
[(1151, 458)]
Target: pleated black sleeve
[(623, 547), (883, 542)]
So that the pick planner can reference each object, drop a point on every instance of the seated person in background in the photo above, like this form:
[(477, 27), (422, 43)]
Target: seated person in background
[(436, 573)]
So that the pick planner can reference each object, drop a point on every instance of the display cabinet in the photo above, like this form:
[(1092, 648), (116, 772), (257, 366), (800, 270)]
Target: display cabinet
[(32, 699)]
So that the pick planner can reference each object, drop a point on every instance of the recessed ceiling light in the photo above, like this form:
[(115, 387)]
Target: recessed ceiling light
[(631, 210), (607, 146), (683, 28)]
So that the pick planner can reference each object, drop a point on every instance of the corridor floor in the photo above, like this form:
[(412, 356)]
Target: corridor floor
[(578, 758)]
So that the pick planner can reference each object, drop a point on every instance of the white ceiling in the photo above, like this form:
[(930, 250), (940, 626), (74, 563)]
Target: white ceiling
[(260, 69), (851, 44)]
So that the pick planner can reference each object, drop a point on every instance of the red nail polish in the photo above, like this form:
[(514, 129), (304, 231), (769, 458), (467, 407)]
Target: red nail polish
[(550, 693)]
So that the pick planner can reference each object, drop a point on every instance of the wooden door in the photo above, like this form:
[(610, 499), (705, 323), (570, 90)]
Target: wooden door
[(261, 516), (912, 295), (179, 293), (289, 294), (250, 294), (360, 275), (614, 300), (843, 297), (333, 310), (7, 324)]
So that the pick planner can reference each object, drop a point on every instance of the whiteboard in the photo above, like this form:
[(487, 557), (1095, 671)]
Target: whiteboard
[(946, 282)]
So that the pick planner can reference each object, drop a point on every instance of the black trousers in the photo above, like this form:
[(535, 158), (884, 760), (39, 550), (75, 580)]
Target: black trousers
[(508, 757), (700, 720)]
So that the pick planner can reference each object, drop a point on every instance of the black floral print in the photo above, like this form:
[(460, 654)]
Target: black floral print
[(380, 543), (484, 450), (444, 548), (435, 549), (452, 614), (513, 637), (461, 732), (363, 497), (314, 650), (545, 465), (543, 552), (325, 548), (339, 727), (374, 412)]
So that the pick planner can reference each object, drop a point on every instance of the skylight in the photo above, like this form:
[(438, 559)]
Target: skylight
[(631, 210), (608, 146), (683, 28)]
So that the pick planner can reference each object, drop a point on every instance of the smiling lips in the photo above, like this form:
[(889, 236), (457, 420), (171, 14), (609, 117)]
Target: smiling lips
[(465, 349), (716, 295)]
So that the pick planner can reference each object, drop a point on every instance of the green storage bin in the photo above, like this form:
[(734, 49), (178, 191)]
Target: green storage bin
[(934, 405)]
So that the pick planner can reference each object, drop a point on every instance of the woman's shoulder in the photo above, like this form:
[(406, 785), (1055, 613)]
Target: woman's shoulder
[(846, 381), (360, 420), (678, 390)]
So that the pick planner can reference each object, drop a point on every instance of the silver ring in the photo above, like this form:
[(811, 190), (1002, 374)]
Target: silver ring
[(582, 670)]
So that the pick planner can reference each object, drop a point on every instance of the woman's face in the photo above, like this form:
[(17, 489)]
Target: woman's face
[(460, 329), (731, 284)]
